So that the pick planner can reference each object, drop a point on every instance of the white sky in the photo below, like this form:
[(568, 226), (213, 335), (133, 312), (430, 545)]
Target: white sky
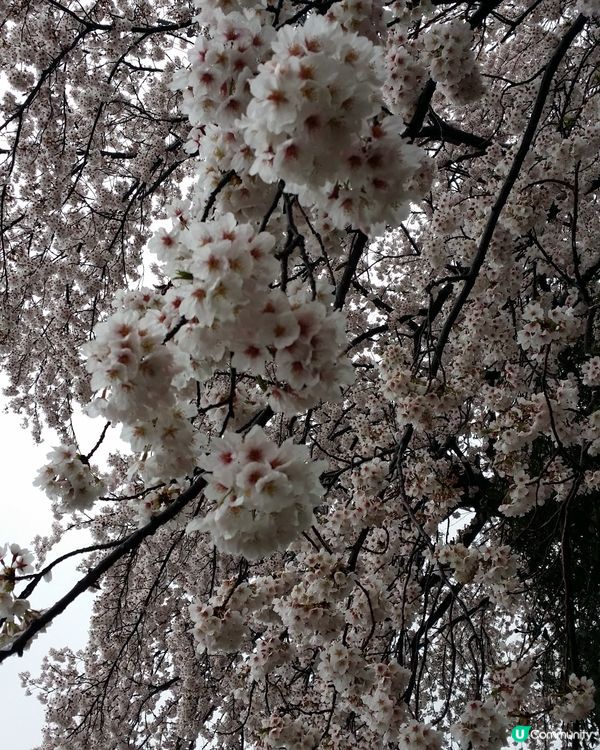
[(25, 512)]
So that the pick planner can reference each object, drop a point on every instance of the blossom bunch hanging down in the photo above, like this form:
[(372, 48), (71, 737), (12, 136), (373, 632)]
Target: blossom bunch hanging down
[(449, 49), (216, 89), (222, 275), (304, 105), (482, 726), (309, 101), (131, 369), (263, 494), (221, 308), (311, 122), (69, 479)]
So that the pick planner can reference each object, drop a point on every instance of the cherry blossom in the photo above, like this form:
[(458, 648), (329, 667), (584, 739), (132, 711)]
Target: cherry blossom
[(69, 479), (263, 494), (325, 278)]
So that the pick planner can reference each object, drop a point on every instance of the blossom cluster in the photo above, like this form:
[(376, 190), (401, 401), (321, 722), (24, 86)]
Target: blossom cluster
[(513, 682), (370, 477), (217, 629), (364, 17), (464, 561), (154, 502), (310, 101), (578, 702), (542, 326), (21, 560), (271, 652), (219, 310), (130, 367), (385, 709), (344, 667), (524, 494), (219, 264), (483, 725), (69, 479), (453, 66), (222, 272), (310, 609), (15, 613), (216, 87), (279, 732), (417, 736), (405, 72), (311, 368), (301, 105), (418, 402), (590, 372), (263, 494), (221, 622), (494, 566), (167, 445)]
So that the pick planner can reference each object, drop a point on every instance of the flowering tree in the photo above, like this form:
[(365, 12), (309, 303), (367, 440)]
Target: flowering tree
[(360, 393)]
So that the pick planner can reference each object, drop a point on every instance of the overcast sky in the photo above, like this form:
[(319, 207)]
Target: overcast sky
[(25, 513)]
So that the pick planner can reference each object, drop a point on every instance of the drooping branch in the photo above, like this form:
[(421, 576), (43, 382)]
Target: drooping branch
[(505, 191)]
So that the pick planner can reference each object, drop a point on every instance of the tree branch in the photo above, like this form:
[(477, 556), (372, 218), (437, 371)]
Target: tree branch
[(133, 541), (505, 191)]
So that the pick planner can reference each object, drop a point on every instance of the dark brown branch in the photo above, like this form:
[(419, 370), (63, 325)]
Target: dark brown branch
[(366, 335), (124, 548), (359, 244), (444, 131), (414, 126), (37, 577), (486, 7), (213, 196), (98, 443)]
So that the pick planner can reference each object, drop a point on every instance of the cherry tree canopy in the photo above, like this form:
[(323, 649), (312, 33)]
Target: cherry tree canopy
[(355, 367)]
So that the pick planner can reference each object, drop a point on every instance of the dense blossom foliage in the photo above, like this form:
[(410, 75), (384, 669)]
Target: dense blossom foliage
[(330, 271)]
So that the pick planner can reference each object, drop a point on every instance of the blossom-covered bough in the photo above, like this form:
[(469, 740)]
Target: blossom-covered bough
[(359, 503)]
